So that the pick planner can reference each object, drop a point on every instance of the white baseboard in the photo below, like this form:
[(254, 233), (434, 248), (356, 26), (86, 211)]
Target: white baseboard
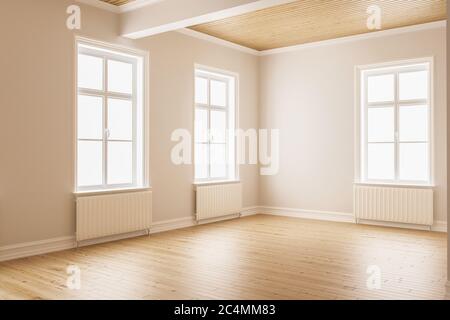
[(34, 248), (308, 214), (439, 226), (250, 211), (59, 244), (218, 219), (117, 237), (394, 225), (173, 224), (187, 222)]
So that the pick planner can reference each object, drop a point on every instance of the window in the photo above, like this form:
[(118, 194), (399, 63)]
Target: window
[(110, 119), (215, 104), (396, 124)]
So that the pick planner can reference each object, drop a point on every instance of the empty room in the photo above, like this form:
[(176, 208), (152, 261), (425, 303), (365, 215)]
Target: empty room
[(224, 150)]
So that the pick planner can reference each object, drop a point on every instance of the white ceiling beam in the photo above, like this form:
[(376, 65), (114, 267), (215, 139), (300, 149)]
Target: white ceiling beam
[(101, 5), (170, 15)]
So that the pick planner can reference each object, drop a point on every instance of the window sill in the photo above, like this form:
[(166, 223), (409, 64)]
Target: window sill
[(109, 191), (393, 185), (211, 183)]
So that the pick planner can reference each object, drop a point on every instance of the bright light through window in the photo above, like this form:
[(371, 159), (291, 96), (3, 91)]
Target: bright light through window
[(396, 128), (215, 98), (110, 121)]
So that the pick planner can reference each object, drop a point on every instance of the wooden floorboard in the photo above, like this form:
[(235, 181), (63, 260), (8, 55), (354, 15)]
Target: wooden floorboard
[(258, 257)]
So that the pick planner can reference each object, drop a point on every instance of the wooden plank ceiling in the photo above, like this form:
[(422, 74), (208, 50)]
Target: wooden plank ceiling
[(117, 2), (305, 21)]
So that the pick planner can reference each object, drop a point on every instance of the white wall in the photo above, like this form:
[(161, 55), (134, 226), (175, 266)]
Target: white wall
[(309, 96)]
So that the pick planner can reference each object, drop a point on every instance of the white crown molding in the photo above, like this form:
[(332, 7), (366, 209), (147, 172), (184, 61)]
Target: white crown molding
[(215, 40), (365, 36), (371, 35)]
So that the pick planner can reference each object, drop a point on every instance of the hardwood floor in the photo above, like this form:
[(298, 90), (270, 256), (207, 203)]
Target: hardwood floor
[(259, 257)]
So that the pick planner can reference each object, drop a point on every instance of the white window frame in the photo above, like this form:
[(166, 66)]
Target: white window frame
[(361, 116), (230, 79), (139, 99)]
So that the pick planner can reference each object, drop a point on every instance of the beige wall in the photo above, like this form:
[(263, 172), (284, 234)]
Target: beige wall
[(37, 115), (309, 96)]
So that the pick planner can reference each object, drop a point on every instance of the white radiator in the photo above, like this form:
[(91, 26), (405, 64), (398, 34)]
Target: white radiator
[(107, 215), (218, 200), (401, 205)]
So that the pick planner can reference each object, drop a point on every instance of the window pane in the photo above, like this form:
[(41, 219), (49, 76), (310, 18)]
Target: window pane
[(201, 125), (201, 90), (413, 123), (120, 163), (90, 117), (90, 72), (380, 161), (120, 77), (218, 161), (218, 93), (90, 163), (218, 126), (381, 88), (413, 85), (414, 162), (201, 161), (380, 124), (120, 119)]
